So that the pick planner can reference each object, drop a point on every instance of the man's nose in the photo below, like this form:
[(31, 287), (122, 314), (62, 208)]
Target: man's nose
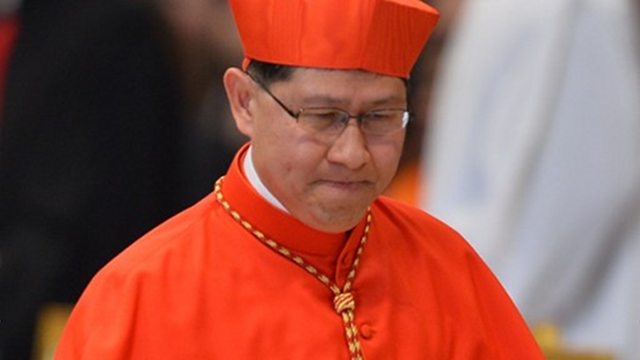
[(350, 146)]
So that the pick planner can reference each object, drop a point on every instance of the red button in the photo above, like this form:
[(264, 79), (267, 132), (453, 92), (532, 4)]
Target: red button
[(366, 331)]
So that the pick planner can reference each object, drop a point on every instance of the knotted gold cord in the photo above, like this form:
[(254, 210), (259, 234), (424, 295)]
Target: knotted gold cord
[(343, 300)]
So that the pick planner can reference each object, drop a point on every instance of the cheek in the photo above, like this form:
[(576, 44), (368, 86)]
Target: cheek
[(387, 157), (301, 151), (295, 156), (302, 159)]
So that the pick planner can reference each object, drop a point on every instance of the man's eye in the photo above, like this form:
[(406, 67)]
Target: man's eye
[(327, 117), (380, 116)]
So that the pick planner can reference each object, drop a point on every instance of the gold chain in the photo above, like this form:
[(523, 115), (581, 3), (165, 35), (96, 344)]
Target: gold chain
[(343, 301)]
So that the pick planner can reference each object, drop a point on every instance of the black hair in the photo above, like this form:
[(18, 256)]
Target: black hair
[(268, 73)]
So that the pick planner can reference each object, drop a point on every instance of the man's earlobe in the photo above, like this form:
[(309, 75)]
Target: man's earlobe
[(240, 93)]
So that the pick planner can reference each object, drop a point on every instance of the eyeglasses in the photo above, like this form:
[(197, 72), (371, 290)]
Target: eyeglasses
[(330, 121)]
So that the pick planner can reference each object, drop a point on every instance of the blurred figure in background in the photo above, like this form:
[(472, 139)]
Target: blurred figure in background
[(100, 96), (8, 31), (205, 43), (534, 155)]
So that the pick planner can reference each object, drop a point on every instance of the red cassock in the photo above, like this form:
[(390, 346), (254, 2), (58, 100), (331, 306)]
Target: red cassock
[(204, 286)]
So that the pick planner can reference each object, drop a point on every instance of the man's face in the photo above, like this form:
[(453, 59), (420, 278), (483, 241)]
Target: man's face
[(326, 182)]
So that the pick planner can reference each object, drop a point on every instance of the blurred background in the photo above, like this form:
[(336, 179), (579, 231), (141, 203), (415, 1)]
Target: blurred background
[(526, 139), (114, 118)]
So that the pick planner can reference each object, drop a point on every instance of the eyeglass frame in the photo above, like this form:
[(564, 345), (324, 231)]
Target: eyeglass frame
[(406, 115)]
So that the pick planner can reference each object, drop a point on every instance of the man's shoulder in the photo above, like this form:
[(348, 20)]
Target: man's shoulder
[(178, 234), (410, 217), (419, 228)]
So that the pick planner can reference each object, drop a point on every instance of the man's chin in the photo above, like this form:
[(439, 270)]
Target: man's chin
[(339, 217)]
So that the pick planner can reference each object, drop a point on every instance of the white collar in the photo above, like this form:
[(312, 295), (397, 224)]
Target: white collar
[(254, 179)]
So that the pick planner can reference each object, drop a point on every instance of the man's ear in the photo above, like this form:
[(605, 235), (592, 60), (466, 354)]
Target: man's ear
[(241, 94)]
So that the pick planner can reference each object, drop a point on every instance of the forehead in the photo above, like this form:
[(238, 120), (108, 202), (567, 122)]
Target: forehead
[(345, 85)]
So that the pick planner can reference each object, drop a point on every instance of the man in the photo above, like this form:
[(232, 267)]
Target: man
[(295, 255)]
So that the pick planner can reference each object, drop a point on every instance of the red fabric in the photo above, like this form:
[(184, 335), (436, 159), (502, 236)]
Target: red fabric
[(380, 36), (201, 287), (8, 35)]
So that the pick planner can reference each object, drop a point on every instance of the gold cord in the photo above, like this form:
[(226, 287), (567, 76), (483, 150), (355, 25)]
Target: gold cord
[(343, 301)]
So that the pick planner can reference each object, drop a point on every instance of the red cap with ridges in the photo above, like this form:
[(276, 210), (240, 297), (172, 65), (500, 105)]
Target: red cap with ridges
[(379, 36)]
